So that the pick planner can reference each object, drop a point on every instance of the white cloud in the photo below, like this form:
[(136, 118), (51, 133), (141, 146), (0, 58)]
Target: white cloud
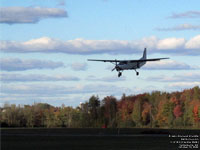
[(106, 79), (193, 43), (179, 46), (13, 15), (70, 95), (178, 81), (181, 28), (79, 66), (168, 65), (187, 77), (5, 77), (61, 2), (15, 64), (183, 85), (60, 90), (23, 93), (188, 14), (171, 43), (77, 46)]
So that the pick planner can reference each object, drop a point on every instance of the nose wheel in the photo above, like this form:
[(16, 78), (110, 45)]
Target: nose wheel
[(137, 73), (119, 74)]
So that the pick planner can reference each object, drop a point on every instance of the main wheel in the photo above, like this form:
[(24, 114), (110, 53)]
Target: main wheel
[(119, 74), (137, 73)]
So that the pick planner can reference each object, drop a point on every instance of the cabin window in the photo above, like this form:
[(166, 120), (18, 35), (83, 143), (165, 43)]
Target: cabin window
[(123, 63)]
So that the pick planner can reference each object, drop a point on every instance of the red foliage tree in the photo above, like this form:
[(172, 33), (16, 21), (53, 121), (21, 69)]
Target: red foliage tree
[(174, 100), (196, 113), (177, 111), (146, 112)]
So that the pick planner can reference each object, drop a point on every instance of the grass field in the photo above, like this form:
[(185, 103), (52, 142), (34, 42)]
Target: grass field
[(91, 139)]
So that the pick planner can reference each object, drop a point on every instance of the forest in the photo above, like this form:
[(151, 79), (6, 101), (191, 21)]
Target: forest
[(148, 110)]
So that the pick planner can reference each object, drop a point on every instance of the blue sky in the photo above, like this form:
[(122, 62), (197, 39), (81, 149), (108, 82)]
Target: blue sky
[(45, 45)]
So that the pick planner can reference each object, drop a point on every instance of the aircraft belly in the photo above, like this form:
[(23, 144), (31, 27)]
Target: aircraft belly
[(131, 66), (128, 66)]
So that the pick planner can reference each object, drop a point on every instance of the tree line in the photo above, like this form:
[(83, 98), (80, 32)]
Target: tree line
[(155, 109)]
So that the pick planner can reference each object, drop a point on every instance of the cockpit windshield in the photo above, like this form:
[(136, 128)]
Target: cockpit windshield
[(123, 63)]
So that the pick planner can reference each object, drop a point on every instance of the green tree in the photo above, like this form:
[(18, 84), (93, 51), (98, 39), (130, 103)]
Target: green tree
[(50, 118), (29, 116), (136, 113), (167, 112), (196, 95), (85, 115), (94, 106), (110, 105)]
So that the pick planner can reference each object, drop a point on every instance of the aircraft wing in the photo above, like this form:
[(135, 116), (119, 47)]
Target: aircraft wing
[(140, 60), (105, 60)]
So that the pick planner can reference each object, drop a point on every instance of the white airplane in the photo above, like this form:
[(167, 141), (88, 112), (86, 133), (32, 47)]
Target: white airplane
[(121, 65)]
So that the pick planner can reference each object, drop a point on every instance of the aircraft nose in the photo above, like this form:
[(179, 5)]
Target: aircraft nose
[(117, 68)]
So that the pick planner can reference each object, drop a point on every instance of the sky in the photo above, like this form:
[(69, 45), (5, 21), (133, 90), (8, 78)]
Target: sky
[(45, 44)]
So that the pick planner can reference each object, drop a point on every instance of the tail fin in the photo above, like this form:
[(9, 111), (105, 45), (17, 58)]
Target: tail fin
[(144, 54)]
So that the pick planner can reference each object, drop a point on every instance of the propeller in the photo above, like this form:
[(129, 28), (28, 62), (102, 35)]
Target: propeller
[(114, 68)]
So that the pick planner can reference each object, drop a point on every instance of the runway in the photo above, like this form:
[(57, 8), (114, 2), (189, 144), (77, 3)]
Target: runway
[(89, 139), (86, 135)]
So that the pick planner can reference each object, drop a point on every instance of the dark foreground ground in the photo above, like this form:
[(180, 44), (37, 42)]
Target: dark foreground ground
[(99, 139)]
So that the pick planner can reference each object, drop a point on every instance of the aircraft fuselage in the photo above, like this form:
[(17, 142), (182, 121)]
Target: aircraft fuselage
[(129, 65)]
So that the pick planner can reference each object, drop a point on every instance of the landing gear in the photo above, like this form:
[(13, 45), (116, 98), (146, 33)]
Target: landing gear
[(137, 73), (119, 74)]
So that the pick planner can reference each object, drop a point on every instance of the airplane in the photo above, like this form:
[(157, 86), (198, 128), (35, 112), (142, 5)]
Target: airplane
[(121, 65)]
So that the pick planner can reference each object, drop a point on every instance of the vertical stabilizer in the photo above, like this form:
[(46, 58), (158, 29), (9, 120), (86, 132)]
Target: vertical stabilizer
[(144, 54)]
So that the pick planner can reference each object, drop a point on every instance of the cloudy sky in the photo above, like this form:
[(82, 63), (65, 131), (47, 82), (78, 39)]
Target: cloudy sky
[(45, 45)]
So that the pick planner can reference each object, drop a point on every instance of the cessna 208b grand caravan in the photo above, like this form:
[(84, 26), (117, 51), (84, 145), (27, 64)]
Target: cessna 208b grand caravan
[(121, 65)]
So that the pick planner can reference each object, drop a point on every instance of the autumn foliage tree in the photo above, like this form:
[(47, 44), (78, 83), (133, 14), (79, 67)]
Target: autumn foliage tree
[(156, 109)]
